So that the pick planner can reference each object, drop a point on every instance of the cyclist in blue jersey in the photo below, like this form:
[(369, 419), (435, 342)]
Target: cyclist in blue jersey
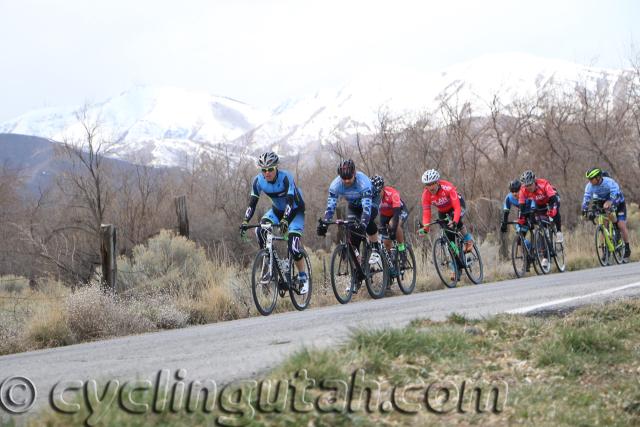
[(287, 209), (605, 188), (511, 200), (362, 203)]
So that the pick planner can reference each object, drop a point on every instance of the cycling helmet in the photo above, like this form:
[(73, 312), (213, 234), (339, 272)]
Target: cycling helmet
[(527, 178), (514, 186), (268, 159), (593, 173), (347, 169), (430, 176), (378, 182)]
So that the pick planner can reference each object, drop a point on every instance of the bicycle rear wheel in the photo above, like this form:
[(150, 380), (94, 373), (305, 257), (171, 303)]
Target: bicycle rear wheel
[(558, 253), (445, 263), (377, 273), (406, 267), (473, 265), (519, 255), (264, 284), (602, 250), (541, 251), (342, 274), (300, 301), (618, 244)]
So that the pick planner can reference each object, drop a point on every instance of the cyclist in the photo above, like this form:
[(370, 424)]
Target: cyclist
[(545, 198), (356, 188), (445, 197), (287, 209), (393, 214), (511, 200), (607, 189)]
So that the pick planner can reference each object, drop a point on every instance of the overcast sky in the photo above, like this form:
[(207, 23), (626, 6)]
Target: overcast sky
[(264, 51)]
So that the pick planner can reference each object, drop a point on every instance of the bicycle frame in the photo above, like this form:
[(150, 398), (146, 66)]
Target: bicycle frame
[(607, 226), (346, 240), (273, 253)]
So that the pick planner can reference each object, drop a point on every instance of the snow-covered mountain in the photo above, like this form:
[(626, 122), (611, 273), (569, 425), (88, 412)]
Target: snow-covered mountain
[(355, 108), (165, 126), (159, 126)]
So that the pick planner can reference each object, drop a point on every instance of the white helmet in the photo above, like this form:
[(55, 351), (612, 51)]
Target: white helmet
[(268, 159), (430, 176)]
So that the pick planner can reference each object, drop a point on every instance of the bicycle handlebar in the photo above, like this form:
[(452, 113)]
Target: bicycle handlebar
[(339, 222)]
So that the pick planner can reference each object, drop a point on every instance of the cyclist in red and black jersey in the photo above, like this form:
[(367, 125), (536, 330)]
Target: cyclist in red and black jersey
[(392, 211), (545, 197), (445, 197)]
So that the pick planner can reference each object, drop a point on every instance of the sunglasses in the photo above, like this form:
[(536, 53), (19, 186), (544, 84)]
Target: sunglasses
[(271, 169)]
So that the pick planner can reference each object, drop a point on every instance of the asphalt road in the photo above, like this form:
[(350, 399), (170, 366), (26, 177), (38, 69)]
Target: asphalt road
[(244, 348)]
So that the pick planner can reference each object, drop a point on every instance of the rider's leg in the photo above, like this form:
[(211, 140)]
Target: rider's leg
[(271, 217)]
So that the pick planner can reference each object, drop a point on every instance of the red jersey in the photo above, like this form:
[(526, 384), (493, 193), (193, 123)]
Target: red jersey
[(543, 191), (390, 199), (445, 199)]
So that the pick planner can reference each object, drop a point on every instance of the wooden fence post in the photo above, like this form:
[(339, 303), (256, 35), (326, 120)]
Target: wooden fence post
[(108, 256), (183, 218)]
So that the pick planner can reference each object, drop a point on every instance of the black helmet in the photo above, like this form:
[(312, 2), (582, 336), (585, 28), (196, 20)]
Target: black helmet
[(514, 186), (527, 178), (347, 169), (378, 183), (268, 159)]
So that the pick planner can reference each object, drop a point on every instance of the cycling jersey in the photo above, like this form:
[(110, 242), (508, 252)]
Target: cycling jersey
[(543, 194), (445, 199), (510, 200), (390, 200), (359, 195), (608, 189), (286, 198)]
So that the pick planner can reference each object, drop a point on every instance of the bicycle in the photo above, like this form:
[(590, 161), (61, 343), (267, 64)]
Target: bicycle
[(449, 256), (347, 272), (404, 264), (608, 240), (545, 244), (273, 275), (522, 253)]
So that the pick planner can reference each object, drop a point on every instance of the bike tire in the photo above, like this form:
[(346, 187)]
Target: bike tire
[(558, 254), (541, 250), (265, 294), (445, 262), (473, 265), (300, 301), (602, 250), (618, 244), (377, 275), (406, 270), (519, 255), (342, 274)]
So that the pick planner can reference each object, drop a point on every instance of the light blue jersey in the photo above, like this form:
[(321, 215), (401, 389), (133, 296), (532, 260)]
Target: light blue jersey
[(608, 189), (359, 195)]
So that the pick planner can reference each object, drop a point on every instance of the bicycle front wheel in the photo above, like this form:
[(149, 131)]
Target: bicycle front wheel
[(300, 301), (406, 267), (342, 274), (376, 270), (473, 265), (264, 283), (445, 263), (519, 255), (602, 250)]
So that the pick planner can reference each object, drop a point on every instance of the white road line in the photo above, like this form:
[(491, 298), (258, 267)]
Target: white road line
[(563, 300)]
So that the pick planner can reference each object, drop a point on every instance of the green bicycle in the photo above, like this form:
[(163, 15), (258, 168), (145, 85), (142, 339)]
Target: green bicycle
[(609, 243)]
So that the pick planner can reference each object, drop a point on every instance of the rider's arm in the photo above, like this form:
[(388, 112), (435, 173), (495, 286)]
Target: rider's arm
[(426, 207), (253, 200), (366, 207), (290, 188), (551, 194), (506, 208), (615, 195), (332, 200), (588, 191), (455, 202)]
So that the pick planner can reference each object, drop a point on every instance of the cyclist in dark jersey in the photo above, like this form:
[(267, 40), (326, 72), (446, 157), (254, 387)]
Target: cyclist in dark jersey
[(287, 209)]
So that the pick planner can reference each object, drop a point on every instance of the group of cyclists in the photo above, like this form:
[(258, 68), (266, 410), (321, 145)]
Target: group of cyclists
[(369, 197)]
